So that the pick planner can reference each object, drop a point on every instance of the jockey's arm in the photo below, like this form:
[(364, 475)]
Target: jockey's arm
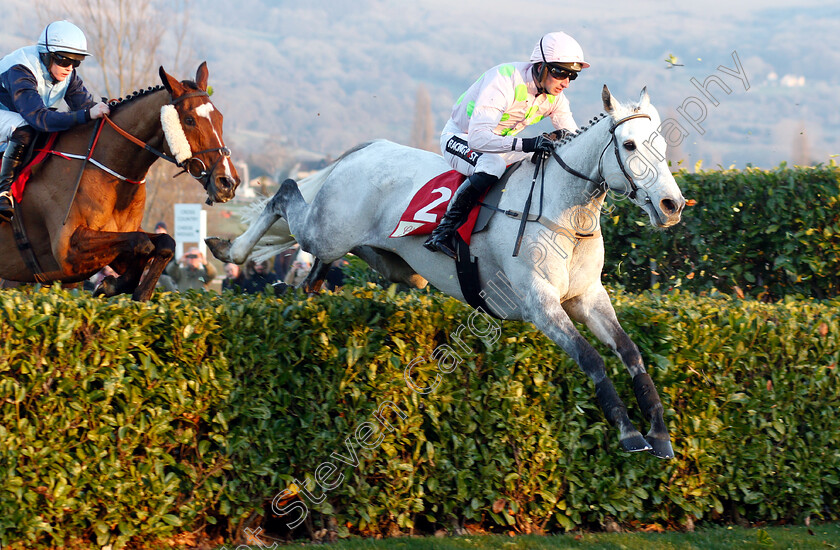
[(77, 96), (492, 102), (26, 101)]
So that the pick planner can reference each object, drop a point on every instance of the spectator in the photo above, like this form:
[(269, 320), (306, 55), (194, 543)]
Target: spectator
[(160, 227), (192, 271), (236, 279), (299, 269), (259, 275), (283, 261)]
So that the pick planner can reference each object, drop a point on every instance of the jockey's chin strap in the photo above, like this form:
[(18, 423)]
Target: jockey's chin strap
[(602, 182)]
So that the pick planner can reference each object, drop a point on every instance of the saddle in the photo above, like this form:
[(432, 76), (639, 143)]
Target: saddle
[(426, 210)]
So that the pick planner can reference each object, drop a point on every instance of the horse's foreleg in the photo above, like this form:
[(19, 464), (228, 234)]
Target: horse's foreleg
[(595, 310), (127, 253), (164, 250), (550, 317)]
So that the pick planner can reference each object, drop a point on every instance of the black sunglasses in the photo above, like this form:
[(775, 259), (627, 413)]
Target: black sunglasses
[(559, 73), (63, 61)]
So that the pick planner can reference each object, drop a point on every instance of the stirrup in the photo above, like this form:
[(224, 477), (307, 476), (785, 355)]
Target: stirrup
[(6, 214), (442, 243)]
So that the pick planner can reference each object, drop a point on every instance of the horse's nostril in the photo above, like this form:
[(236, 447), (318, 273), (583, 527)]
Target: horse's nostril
[(669, 206), (225, 183)]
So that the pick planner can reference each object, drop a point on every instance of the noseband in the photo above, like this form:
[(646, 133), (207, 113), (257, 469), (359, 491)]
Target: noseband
[(602, 183)]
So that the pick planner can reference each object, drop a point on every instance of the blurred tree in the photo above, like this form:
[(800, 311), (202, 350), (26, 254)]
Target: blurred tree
[(801, 147), (423, 134)]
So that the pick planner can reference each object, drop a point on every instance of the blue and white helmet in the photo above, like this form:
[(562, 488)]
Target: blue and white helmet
[(63, 37)]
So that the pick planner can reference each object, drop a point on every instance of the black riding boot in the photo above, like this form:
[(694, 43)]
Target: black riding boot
[(459, 209), (12, 159)]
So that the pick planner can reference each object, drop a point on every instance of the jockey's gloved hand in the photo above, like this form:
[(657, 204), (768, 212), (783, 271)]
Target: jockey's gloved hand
[(539, 144)]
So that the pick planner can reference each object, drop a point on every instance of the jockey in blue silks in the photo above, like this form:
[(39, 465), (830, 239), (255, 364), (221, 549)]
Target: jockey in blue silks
[(33, 80), (478, 141)]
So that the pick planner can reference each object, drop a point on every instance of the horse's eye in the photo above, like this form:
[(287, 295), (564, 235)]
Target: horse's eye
[(630, 145), (190, 121)]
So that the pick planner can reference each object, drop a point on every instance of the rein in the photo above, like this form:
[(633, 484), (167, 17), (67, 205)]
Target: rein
[(602, 183)]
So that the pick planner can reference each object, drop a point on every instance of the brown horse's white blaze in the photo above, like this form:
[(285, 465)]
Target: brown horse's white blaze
[(103, 217)]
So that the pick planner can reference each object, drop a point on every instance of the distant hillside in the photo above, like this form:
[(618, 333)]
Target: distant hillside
[(324, 76)]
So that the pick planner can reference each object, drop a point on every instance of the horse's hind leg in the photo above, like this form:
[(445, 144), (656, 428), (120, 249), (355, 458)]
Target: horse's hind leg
[(241, 247), (316, 276), (548, 315), (595, 310)]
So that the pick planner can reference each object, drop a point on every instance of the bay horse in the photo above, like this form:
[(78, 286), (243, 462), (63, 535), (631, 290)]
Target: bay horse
[(354, 204), (76, 232)]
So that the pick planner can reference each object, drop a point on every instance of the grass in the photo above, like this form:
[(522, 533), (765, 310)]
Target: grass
[(797, 537)]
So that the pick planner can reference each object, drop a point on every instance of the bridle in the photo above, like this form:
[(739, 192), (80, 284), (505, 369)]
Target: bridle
[(602, 182), (193, 165)]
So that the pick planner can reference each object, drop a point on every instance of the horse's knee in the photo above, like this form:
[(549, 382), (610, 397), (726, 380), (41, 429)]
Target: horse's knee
[(141, 245), (164, 246)]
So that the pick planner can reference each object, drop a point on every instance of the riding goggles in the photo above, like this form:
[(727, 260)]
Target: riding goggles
[(560, 73), (63, 61)]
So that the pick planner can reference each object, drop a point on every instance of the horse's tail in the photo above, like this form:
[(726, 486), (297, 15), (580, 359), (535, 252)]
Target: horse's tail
[(278, 238)]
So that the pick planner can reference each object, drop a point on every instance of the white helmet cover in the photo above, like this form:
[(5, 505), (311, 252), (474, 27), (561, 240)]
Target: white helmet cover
[(63, 36), (558, 47)]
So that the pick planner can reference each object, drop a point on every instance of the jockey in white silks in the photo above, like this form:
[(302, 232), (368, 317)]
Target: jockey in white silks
[(478, 141), (33, 81)]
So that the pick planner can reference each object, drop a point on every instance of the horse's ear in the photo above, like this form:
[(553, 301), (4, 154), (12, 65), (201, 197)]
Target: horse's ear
[(172, 85), (201, 76), (644, 99), (609, 101)]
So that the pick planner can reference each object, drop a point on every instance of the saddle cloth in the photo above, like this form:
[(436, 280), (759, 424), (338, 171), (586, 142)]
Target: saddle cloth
[(428, 205), (20, 181)]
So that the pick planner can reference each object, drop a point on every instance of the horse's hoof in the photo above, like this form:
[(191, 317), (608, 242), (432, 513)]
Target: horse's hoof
[(635, 443), (281, 288), (107, 288), (661, 448), (219, 247)]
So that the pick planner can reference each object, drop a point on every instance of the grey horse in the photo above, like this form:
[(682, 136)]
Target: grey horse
[(354, 205)]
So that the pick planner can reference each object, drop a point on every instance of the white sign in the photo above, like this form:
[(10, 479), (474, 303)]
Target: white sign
[(190, 227), (187, 222)]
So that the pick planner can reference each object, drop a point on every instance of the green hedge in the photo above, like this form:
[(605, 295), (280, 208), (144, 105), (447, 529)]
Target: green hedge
[(123, 422), (771, 233)]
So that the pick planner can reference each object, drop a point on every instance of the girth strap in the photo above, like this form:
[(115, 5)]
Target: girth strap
[(467, 269), (24, 246)]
